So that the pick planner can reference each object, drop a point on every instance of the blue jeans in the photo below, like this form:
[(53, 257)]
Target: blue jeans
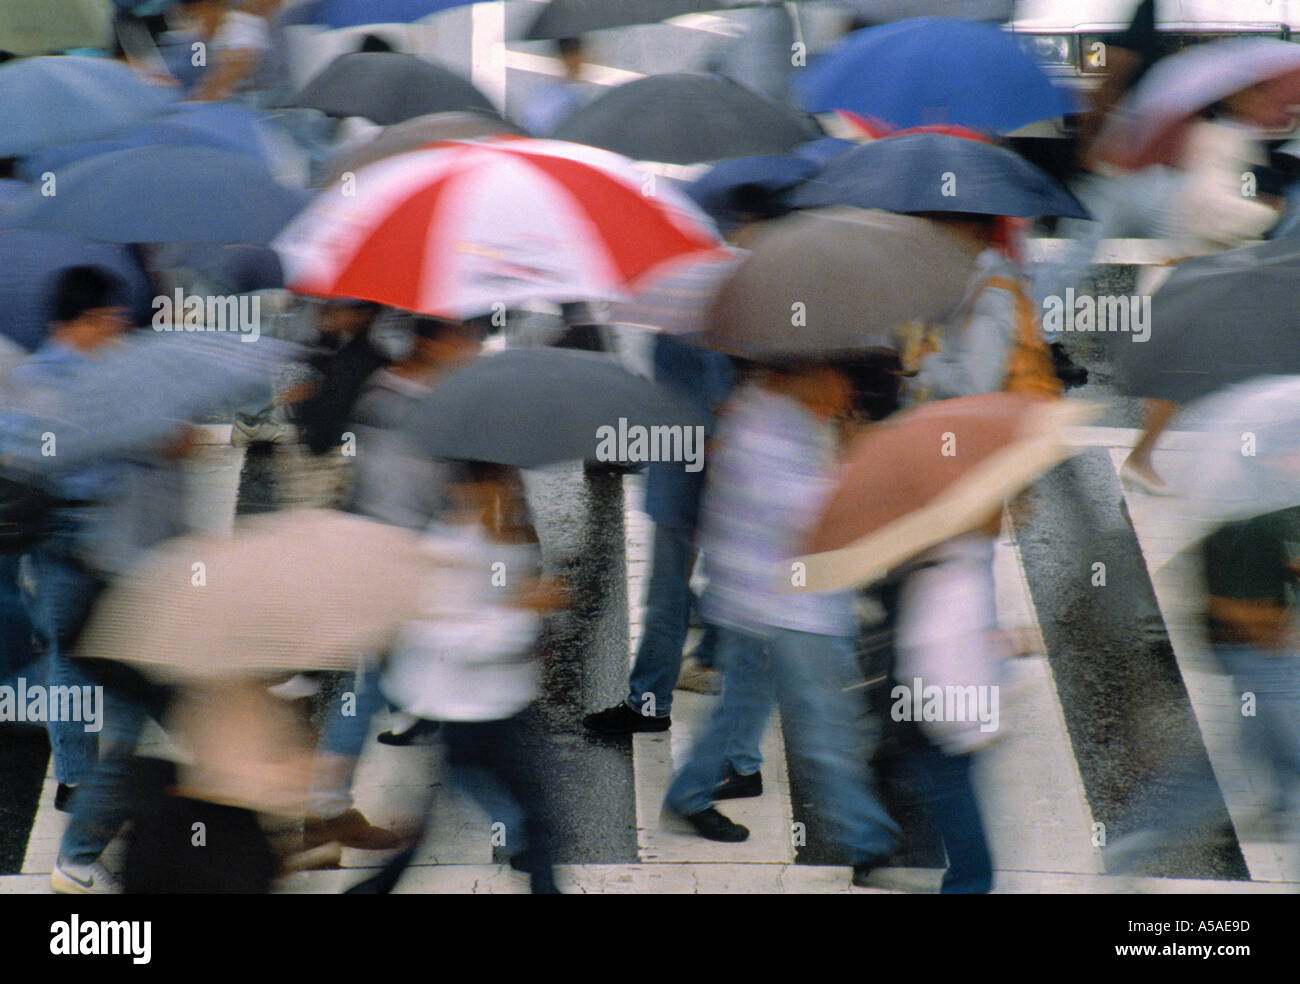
[(102, 804), (826, 731), (668, 611), (1273, 733), (64, 594)]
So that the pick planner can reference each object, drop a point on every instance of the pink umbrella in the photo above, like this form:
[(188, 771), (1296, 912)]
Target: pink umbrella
[(456, 230), (1150, 125)]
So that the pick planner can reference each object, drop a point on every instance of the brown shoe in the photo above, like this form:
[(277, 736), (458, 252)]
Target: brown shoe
[(351, 829)]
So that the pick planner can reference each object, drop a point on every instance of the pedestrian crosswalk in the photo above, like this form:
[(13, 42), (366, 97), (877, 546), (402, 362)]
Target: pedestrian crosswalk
[(1041, 825)]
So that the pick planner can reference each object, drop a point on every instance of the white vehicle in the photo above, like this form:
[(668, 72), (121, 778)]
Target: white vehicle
[(1071, 37)]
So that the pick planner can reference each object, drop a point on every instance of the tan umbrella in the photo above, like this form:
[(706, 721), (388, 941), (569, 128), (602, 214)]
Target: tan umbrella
[(928, 475), (303, 589), (414, 134), (839, 282)]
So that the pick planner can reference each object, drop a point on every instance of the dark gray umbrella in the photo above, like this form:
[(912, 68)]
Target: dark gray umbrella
[(936, 172), (388, 87), (686, 119), (1217, 320), (839, 282), (163, 195), (534, 407), (414, 134)]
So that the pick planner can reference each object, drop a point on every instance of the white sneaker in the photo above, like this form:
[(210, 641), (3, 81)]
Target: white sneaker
[(83, 879)]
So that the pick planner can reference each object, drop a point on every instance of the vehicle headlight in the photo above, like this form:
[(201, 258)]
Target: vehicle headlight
[(1053, 50)]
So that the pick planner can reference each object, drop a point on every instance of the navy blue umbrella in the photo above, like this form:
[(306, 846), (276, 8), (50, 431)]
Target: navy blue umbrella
[(163, 195), (934, 70), (745, 187), (934, 172), (30, 262)]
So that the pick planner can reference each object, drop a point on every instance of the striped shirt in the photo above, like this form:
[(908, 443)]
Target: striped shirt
[(769, 479)]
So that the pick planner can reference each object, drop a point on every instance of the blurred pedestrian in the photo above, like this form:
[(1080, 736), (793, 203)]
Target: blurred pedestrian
[(553, 102), (771, 473)]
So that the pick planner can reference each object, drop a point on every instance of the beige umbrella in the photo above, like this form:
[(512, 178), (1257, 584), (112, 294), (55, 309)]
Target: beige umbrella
[(839, 282), (414, 134), (303, 589), (928, 475)]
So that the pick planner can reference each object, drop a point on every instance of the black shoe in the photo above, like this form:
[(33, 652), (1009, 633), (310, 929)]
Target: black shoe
[(622, 720), (414, 735), (61, 797), (1069, 372), (712, 825), (863, 869), (736, 786)]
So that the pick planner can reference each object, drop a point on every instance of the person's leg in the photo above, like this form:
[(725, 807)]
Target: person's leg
[(64, 595), (343, 738), (819, 685), (742, 712), (1155, 418), (659, 656), (15, 625), (947, 795)]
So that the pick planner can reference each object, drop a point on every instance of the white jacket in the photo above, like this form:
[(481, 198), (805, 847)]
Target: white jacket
[(472, 657)]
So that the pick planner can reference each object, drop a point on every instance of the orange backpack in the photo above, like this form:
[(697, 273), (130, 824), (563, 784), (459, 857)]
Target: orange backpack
[(1029, 366)]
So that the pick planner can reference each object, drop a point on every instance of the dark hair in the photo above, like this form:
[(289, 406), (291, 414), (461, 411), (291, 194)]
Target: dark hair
[(426, 326), (373, 42), (569, 46), (469, 471), (84, 288)]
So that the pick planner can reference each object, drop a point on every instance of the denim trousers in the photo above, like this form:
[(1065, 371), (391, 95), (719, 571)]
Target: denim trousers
[(667, 617), (64, 594), (826, 731), (15, 624)]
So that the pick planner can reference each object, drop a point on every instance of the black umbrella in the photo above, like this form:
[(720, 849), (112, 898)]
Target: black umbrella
[(534, 407), (1217, 320), (388, 87), (687, 119), (571, 18)]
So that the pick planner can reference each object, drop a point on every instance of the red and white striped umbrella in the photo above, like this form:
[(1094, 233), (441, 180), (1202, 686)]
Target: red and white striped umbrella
[(459, 228)]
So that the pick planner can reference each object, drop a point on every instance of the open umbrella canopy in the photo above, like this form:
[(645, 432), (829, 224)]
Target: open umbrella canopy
[(535, 407), (934, 70), (414, 134), (573, 18), (838, 282), (1218, 320), (131, 396), (931, 172), (230, 127), (162, 195), (456, 231), (745, 188), (49, 101), (1149, 126), (357, 13), (686, 119), (926, 475), (680, 301), (298, 590), (388, 87), (1246, 460), (45, 27)]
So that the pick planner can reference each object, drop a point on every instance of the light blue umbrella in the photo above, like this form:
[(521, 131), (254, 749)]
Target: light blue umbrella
[(55, 100), (130, 398), (356, 13), (163, 195), (231, 127), (934, 70)]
